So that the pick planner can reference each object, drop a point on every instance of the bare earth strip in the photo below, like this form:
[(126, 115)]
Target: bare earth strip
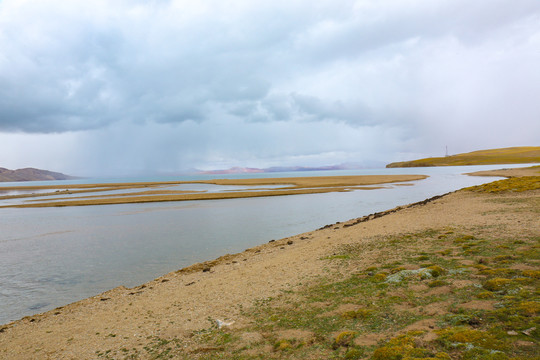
[(179, 308), (508, 173), (291, 186)]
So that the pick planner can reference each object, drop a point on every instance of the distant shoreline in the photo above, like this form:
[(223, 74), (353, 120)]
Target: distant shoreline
[(31, 174)]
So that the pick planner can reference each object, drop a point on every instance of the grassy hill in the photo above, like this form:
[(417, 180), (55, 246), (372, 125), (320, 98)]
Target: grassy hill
[(512, 155)]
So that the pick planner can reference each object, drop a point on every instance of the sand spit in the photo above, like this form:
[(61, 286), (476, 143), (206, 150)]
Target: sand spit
[(178, 312), (509, 173), (287, 186)]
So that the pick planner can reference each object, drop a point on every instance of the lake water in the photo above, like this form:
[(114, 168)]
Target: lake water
[(50, 257)]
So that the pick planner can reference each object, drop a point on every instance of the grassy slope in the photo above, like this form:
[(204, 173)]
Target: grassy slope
[(513, 155)]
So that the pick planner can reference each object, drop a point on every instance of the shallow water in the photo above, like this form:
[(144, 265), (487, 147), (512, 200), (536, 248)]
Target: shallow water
[(50, 257)]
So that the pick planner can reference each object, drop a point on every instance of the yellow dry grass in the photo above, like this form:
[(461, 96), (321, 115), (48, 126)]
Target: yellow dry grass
[(291, 186), (512, 155)]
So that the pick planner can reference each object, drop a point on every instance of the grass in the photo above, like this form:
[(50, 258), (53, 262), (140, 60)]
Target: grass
[(513, 155), (414, 306), (518, 184)]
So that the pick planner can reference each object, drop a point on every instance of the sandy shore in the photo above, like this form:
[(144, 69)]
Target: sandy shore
[(155, 192), (179, 306), (508, 173)]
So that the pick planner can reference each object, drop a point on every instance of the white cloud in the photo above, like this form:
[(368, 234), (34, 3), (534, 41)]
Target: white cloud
[(207, 83)]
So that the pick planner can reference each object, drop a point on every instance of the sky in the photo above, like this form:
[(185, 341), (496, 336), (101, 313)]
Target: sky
[(123, 87)]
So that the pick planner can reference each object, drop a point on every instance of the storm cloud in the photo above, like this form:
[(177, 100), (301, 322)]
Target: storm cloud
[(126, 86)]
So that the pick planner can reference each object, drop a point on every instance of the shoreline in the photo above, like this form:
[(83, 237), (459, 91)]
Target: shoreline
[(176, 305), (207, 265)]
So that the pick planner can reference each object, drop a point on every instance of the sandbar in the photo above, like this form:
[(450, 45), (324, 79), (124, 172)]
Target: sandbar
[(285, 186)]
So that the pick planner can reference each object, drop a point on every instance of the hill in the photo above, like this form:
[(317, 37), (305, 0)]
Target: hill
[(31, 174), (512, 155)]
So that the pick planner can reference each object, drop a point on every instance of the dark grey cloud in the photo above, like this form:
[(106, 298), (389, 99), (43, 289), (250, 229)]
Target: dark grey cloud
[(206, 80)]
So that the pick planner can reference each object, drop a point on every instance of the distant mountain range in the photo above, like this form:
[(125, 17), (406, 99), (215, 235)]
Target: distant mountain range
[(31, 174), (246, 170)]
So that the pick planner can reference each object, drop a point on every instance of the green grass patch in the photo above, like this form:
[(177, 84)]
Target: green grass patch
[(487, 310)]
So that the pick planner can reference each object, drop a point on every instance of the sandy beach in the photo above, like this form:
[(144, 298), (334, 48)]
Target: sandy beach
[(232, 307)]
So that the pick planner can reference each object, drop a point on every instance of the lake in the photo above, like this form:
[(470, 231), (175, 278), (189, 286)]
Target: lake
[(50, 257)]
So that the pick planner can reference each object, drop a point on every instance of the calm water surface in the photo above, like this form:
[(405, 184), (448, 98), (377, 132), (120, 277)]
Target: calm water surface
[(50, 257)]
